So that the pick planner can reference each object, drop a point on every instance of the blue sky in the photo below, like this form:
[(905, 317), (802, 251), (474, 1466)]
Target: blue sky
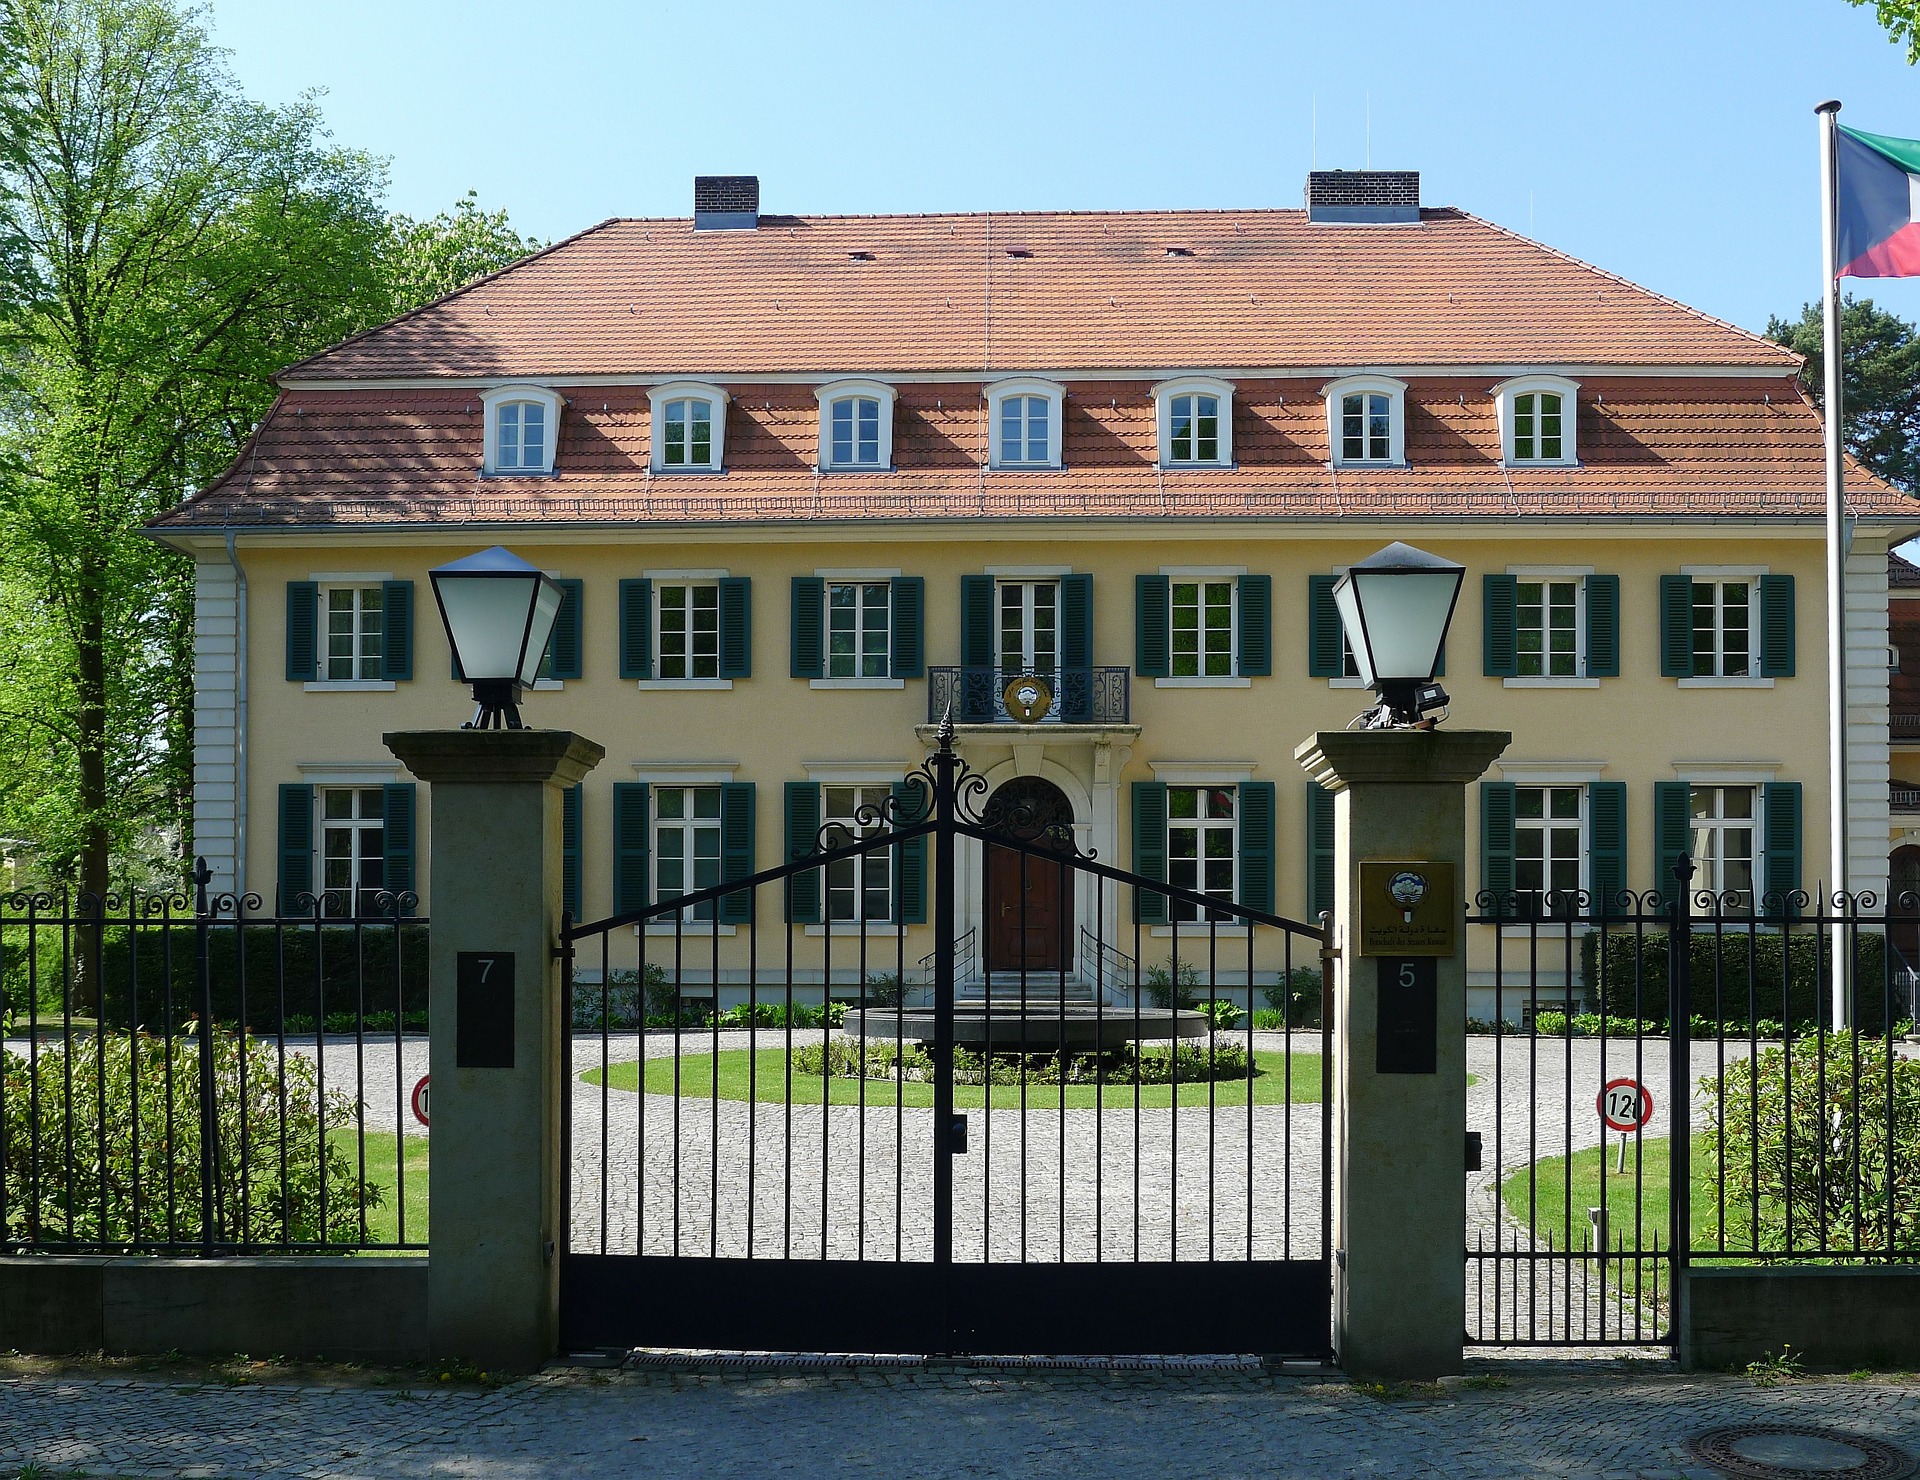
[(1673, 143)]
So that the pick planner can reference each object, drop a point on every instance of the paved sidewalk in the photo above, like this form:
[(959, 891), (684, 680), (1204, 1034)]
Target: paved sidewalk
[(1627, 1418)]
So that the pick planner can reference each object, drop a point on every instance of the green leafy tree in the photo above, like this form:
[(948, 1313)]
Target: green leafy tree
[(1901, 21), (425, 260), (1879, 379)]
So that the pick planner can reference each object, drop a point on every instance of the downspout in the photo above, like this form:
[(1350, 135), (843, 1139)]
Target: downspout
[(239, 721)]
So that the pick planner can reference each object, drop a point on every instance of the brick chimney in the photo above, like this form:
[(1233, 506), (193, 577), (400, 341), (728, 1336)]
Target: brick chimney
[(1370, 197), (726, 202)]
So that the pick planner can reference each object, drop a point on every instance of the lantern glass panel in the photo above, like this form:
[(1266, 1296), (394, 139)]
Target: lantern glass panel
[(1406, 616), (487, 617), (546, 606)]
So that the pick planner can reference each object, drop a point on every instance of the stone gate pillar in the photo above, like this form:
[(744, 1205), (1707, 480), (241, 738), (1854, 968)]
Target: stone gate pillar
[(1399, 1043), (497, 1048)]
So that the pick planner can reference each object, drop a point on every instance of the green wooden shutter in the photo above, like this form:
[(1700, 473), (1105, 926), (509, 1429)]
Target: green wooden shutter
[(632, 837), (303, 631), (803, 838), (1152, 626), (1256, 626), (396, 630), (736, 627), (1326, 650), (1776, 627), (1780, 843), (1603, 627), (976, 649), (1320, 834), (736, 849), (397, 837), (1671, 830), (565, 659), (1076, 648), (296, 844), (572, 817), (1256, 845), (1606, 846), (1676, 629), (1150, 849), (1501, 633), (1496, 846), (909, 859), (909, 626), (636, 629), (808, 645)]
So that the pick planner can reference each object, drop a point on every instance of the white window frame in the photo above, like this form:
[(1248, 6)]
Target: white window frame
[(688, 584), (687, 824), (491, 400), (1396, 393), (357, 684), (1202, 574), (1547, 573), (1547, 824), (1754, 823), (840, 390), (1728, 574), (358, 826), (1193, 385), (687, 390), (828, 816), (859, 632), (1054, 394), (1558, 385), (1203, 826)]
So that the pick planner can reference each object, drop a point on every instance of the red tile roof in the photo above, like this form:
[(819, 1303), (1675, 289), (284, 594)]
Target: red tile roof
[(1045, 292), (1901, 574)]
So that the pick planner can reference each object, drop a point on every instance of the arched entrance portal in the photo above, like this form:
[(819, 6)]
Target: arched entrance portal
[(1029, 902)]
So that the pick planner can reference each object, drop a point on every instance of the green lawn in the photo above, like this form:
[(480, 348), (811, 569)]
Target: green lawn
[(383, 1222), (769, 1073), (1551, 1199)]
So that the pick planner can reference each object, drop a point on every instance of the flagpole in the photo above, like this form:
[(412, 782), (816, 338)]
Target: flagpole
[(1836, 552)]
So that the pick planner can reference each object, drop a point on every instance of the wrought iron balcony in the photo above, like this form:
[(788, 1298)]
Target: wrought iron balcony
[(1904, 725), (1904, 798), (1075, 696)]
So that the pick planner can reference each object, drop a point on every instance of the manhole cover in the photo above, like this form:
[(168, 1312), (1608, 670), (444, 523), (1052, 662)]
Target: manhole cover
[(1770, 1451)]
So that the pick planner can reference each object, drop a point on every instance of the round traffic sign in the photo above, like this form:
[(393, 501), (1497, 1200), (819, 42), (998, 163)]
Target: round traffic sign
[(1625, 1104), (420, 1101)]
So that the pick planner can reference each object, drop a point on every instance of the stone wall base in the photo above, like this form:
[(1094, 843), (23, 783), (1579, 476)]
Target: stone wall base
[(1846, 1318), (341, 1309)]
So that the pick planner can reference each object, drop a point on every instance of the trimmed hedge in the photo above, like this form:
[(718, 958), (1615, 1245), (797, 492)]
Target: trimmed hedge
[(1728, 986)]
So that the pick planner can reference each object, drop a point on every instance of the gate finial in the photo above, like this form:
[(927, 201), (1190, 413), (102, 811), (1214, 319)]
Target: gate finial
[(945, 733)]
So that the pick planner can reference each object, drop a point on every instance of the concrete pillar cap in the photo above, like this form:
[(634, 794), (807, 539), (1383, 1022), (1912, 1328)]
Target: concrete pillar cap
[(1338, 759), (489, 757)]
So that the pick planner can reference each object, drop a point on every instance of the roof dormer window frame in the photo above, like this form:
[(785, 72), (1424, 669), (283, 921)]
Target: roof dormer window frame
[(854, 388), (1506, 395), (492, 402), (1338, 391), (1002, 391), (1166, 398), (660, 397)]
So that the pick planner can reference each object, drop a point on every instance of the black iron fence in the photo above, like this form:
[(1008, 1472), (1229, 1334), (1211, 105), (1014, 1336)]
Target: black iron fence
[(1690, 1081), (181, 1073)]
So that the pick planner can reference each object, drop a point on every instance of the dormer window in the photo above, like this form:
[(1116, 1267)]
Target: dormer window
[(522, 427), (1537, 420), (689, 428), (1024, 416), (1366, 421), (1195, 419), (856, 426)]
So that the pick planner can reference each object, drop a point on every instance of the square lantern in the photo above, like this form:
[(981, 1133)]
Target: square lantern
[(1396, 606), (498, 611)]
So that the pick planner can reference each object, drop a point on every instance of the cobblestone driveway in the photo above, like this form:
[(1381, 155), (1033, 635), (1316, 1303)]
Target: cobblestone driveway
[(1596, 1419)]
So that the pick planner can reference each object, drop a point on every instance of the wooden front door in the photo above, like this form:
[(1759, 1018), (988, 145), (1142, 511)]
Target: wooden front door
[(1029, 899)]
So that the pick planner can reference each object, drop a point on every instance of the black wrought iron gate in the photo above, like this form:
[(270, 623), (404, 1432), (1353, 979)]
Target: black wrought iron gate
[(785, 1132)]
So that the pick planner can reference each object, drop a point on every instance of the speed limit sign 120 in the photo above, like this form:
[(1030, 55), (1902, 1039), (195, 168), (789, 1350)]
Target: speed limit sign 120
[(1625, 1104), (421, 1107)]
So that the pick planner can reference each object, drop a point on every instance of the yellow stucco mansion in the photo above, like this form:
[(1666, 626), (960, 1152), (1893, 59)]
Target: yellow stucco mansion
[(809, 483)]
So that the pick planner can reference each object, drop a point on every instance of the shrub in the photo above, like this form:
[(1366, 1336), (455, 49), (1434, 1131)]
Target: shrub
[(1160, 986), (1826, 1141), (623, 994), (1296, 997), (883, 989), (86, 1195), (1733, 976), (1224, 1016)]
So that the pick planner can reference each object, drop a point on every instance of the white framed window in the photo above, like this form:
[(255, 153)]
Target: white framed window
[(1538, 420), (1366, 421), (686, 844), (353, 848), (522, 424), (1195, 421), (1725, 626), (859, 622), (689, 422), (858, 888), (1203, 627), (1549, 627), (686, 625), (354, 641), (856, 426), (1550, 847), (1029, 626), (1725, 826), (1024, 415), (1203, 847)]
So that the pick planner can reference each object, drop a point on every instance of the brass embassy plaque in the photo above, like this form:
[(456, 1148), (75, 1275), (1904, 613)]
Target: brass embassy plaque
[(1409, 909)]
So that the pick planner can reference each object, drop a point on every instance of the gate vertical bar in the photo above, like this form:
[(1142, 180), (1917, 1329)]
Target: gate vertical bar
[(203, 988), (1679, 1087), (943, 963)]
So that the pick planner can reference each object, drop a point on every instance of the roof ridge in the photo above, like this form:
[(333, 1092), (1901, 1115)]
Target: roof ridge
[(464, 288), (1626, 282), (999, 215)]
